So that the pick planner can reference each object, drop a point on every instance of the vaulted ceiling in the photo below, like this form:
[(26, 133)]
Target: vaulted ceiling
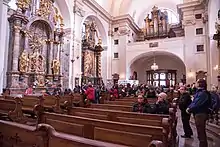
[(137, 8)]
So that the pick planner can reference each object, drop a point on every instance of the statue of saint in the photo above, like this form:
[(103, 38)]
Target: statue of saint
[(23, 62), (55, 67)]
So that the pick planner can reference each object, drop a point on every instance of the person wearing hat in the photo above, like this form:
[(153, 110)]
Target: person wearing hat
[(141, 105), (162, 105)]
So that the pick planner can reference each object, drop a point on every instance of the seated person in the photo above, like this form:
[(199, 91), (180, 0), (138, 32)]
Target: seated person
[(141, 105), (162, 105), (151, 93)]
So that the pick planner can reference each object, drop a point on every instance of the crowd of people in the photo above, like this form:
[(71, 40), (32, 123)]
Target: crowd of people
[(192, 99)]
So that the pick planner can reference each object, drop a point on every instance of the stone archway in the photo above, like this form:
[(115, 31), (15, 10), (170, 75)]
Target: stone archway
[(164, 60)]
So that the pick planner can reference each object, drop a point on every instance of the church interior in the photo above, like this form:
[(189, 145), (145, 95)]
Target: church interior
[(110, 73)]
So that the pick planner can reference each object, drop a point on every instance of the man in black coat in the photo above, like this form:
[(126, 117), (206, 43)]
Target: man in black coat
[(184, 102)]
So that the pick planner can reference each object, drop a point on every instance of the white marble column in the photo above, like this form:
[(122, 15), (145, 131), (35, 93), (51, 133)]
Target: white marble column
[(3, 39)]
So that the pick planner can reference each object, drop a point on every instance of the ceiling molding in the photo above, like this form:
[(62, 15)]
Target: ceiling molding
[(126, 19), (92, 4)]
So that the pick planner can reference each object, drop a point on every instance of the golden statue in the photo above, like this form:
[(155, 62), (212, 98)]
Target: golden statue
[(55, 67), (100, 41), (23, 62)]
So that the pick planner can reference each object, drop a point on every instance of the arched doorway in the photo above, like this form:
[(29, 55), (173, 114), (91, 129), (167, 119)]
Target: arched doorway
[(171, 69)]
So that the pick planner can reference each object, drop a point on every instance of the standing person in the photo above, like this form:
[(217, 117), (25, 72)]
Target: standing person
[(184, 102), (90, 93), (215, 103), (200, 109)]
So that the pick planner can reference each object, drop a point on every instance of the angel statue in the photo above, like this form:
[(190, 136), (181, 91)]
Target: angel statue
[(23, 62), (55, 67)]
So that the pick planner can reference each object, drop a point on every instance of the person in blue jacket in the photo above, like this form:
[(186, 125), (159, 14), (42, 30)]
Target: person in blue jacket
[(200, 109)]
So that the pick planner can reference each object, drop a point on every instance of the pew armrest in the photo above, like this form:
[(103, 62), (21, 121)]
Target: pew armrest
[(156, 143)]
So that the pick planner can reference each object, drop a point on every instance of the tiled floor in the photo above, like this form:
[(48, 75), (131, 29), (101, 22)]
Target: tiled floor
[(194, 141)]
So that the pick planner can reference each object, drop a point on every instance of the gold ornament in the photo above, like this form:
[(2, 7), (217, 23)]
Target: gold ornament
[(45, 8), (23, 4), (23, 62), (55, 67)]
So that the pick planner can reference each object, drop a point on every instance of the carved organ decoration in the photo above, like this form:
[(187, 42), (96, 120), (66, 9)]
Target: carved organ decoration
[(91, 54), (157, 25), (36, 43)]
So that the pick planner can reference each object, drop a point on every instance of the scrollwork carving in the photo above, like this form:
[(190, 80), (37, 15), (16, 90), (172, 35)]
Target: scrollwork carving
[(45, 8), (188, 22), (24, 62)]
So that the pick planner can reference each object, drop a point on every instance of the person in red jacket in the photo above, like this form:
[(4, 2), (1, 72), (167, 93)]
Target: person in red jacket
[(115, 92), (90, 93)]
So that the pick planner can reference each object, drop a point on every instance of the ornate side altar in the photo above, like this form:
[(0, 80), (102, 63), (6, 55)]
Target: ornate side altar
[(36, 34), (91, 55)]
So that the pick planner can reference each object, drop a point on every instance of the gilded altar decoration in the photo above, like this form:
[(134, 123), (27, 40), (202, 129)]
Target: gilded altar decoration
[(58, 19), (55, 67), (23, 62), (36, 26), (156, 26), (45, 8), (37, 63), (23, 4)]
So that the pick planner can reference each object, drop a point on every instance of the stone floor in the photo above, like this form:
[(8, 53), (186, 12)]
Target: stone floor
[(193, 142)]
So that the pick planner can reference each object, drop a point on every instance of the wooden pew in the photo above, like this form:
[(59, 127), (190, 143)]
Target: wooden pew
[(13, 134), (111, 107), (120, 133), (11, 110)]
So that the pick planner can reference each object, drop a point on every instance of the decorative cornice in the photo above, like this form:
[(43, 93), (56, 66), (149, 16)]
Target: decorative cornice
[(188, 22), (191, 6), (98, 9), (126, 19)]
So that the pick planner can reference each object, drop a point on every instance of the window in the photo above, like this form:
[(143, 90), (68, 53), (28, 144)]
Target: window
[(115, 29), (198, 16), (116, 42), (199, 31), (116, 55), (200, 48)]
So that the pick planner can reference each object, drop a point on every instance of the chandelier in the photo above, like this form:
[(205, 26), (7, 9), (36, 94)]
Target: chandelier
[(154, 66)]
